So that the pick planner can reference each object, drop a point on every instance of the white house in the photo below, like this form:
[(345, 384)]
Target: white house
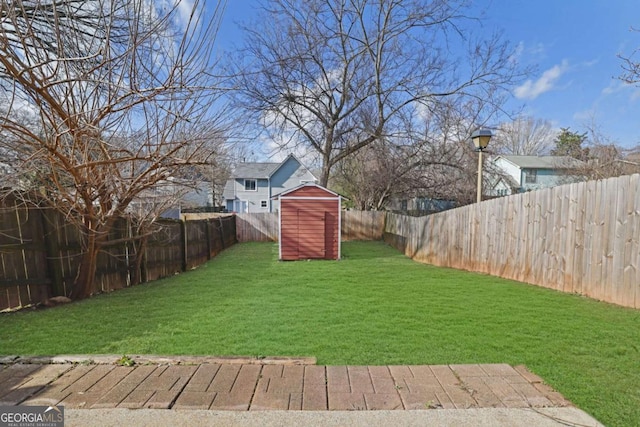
[(517, 174), (253, 186)]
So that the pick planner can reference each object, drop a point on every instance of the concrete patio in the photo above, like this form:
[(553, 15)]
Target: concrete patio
[(243, 384)]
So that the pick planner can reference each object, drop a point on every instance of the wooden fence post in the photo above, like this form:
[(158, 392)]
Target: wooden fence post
[(221, 233), (183, 231), (209, 237)]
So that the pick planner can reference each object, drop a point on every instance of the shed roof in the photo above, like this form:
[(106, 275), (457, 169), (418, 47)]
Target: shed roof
[(308, 185)]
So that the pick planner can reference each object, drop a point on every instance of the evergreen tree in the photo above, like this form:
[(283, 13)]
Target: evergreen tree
[(569, 143)]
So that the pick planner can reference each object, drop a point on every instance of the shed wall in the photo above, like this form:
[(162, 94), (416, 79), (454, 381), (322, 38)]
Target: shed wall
[(309, 225)]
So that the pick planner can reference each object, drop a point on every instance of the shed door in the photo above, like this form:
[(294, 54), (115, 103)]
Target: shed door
[(311, 234), (330, 235)]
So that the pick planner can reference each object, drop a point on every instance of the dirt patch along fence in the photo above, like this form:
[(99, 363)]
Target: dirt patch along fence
[(356, 225), (580, 238), (40, 253)]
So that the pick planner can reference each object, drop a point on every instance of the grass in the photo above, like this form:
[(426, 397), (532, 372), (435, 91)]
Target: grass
[(373, 307)]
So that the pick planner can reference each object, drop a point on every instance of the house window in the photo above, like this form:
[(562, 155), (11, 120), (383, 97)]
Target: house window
[(263, 204), (531, 176), (250, 185)]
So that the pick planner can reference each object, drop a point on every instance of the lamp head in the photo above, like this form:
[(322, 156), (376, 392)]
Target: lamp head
[(481, 138)]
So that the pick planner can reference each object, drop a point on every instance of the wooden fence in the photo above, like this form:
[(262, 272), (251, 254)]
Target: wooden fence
[(257, 227), (581, 238), (356, 225), (40, 253), (362, 225)]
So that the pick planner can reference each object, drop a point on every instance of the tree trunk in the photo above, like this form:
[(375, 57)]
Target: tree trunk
[(83, 284), (140, 269), (326, 170)]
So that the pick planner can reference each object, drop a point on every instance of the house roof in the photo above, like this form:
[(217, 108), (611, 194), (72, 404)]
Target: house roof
[(508, 180), (261, 170), (543, 162), (255, 170)]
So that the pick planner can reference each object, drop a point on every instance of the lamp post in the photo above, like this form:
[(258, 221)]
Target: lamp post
[(480, 139)]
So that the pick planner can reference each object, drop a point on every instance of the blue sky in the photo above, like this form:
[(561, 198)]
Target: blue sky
[(573, 45)]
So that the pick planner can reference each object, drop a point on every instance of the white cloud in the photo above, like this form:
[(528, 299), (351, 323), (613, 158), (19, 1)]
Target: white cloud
[(592, 63), (538, 49), (620, 87), (278, 150), (614, 87), (532, 89), (185, 9), (517, 52), (281, 140), (181, 11), (528, 53), (585, 115)]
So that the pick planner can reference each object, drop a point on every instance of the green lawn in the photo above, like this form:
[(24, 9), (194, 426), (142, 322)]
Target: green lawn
[(373, 307)]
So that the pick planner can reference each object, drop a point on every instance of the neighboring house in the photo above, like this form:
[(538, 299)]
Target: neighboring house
[(163, 200), (253, 185), (172, 197), (199, 196), (517, 174)]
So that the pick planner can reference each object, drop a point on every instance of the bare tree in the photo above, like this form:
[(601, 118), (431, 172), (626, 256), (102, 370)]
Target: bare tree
[(118, 93), (598, 156), (370, 176), (336, 76), (433, 159), (524, 136), (606, 158), (630, 66)]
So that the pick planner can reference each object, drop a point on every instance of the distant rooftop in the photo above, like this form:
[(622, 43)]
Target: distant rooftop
[(544, 162)]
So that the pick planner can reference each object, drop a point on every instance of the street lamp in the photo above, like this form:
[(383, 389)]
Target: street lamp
[(480, 139)]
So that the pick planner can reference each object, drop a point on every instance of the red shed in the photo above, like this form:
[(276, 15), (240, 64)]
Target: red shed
[(309, 223)]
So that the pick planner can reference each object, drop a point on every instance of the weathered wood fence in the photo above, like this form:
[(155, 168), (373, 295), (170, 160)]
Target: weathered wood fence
[(581, 238), (40, 252), (356, 225)]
